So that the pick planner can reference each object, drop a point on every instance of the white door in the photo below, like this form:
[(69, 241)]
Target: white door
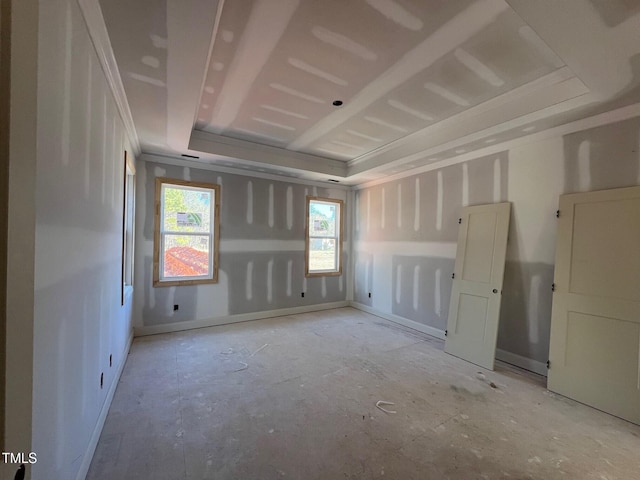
[(594, 354), (472, 328)]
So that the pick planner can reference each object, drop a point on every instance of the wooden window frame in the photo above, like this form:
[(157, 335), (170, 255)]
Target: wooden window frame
[(128, 224), (330, 273), (157, 238)]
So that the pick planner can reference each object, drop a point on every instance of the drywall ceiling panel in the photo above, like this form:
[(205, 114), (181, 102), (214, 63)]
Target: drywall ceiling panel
[(326, 51), (487, 65), (268, 72)]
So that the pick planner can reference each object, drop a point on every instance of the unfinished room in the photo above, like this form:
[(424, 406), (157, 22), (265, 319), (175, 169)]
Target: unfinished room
[(320, 239)]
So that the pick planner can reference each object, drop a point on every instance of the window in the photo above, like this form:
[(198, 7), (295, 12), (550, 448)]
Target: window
[(323, 245), (128, 213), (187, 230)]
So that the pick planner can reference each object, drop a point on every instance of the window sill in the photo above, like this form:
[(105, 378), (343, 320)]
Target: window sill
[(179, 283), (322, 274)]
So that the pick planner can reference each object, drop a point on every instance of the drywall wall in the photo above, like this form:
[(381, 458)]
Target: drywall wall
[(81, 330), (406, 230), (261, 264)]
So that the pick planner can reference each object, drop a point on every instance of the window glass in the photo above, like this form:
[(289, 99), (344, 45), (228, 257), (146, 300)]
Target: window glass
[(186, 233), (323, 240)]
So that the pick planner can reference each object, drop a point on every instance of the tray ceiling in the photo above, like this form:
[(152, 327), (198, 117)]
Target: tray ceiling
[(252, 83)]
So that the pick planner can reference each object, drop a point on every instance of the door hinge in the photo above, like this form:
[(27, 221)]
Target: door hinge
[(446, 332), (553, 287), (459, 220), (548, 364), (557, 213), (453, 275)]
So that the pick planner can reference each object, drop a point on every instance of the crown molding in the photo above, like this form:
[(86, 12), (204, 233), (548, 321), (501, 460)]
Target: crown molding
[(606, 118), (555, 93), (201, 165), (99, 35), (483, 108)]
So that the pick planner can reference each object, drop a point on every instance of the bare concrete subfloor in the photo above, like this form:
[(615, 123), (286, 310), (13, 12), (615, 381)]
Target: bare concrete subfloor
[(216, 403)]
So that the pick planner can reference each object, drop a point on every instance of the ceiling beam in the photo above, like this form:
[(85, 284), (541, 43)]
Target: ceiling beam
[(190, 27), (447, 38), (232, 148)]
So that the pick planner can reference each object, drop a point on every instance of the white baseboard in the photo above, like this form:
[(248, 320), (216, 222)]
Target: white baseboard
[(502, 355), (227, 319), (522, 362), (95, 437), (434, 332)]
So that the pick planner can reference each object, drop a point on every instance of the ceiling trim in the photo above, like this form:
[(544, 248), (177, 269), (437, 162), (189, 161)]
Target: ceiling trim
[(552, 99), (598, 53), (97, 28), (606, 118), (180, 162), (479, 135), (550, 79), (228, 147)]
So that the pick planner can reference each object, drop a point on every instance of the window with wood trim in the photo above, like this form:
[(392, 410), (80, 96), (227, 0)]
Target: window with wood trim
[(128, 220), (323, 242), (187, 227)]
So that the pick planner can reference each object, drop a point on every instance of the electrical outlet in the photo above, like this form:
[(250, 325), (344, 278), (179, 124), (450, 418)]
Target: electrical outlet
[(302, 294), (175, 307)]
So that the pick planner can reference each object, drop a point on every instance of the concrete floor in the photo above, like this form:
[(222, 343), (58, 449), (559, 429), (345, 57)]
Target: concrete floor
[(215, 404)]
